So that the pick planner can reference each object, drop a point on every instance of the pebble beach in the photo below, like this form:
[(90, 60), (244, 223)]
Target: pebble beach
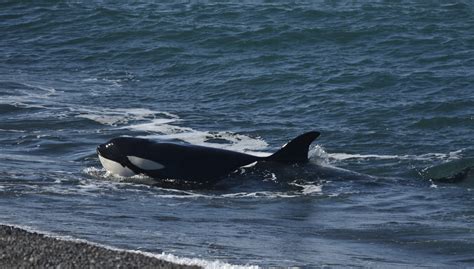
[(23, 249)]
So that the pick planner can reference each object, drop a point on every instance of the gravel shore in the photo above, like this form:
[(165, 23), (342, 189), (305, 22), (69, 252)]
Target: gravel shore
[(23, 249)]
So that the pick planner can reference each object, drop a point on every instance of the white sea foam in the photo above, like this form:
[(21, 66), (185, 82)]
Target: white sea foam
[(163, 130), (12, 130), (195, 261), (238, 195), (309, 188), (260, 194), (117, 116), (320, 156), (208, 264), (102, 173), (423, 157)]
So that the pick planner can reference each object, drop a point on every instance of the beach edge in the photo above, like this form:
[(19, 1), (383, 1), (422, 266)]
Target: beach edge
[(20, 248)]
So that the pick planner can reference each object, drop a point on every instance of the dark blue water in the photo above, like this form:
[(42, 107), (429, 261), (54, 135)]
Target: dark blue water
[(389, 84)]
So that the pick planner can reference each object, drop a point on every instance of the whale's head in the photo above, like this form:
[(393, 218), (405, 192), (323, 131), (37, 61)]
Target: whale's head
[(124, 156), (112, 156)]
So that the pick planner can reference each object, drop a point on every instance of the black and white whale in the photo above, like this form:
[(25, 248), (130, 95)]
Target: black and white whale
[(128, 156), (191, 164)]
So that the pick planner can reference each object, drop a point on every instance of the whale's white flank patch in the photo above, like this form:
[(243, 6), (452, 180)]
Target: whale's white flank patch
[(144, 163), (115, 168)]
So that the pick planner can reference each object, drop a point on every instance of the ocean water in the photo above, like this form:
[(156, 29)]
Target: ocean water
[(389, 84)]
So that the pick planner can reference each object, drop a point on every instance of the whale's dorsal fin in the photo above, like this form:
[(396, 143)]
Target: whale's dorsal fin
[(295, 151)]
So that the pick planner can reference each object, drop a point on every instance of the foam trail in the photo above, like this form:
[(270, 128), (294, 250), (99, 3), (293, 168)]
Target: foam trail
[(321, 157), (424, 157)]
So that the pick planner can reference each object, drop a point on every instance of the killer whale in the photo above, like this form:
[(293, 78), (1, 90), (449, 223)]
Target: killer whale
[(128, 156)]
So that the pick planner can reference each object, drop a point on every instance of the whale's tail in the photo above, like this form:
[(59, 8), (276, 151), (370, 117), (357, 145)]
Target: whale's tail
[(296, 151)]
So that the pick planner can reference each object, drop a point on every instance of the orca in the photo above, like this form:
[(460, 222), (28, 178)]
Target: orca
[(128, 156)]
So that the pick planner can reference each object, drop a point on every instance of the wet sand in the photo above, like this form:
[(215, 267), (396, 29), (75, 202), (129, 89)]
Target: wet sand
[(23, 249)]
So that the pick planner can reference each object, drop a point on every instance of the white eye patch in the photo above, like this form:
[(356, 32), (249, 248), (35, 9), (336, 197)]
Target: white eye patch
[(144, 163)]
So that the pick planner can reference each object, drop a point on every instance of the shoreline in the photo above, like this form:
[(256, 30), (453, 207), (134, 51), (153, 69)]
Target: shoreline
[(20, 248)]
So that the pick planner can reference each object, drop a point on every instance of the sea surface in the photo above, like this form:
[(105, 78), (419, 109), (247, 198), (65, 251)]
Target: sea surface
[(389, 84)]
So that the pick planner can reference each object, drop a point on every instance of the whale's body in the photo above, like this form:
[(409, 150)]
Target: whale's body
[(128, 156)]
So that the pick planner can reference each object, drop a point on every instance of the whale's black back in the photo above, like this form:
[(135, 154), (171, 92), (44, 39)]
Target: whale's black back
[(182, 161), (197, 162)]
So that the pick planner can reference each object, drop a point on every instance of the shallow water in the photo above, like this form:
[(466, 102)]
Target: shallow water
[(388, 84)]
